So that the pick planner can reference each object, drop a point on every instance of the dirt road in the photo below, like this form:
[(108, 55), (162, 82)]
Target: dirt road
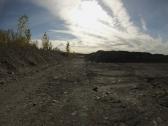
[(79, 93)]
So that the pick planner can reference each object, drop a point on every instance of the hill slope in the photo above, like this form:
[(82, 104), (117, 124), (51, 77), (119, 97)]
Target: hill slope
[(15, 59), (123, 56)]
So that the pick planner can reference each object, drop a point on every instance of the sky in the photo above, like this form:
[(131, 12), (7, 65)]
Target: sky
[(91, 25)]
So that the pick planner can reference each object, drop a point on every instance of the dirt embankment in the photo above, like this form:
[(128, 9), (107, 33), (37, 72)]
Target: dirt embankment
[(16, 59)]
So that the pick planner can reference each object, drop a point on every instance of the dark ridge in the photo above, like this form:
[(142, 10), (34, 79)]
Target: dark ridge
[(126, 57)]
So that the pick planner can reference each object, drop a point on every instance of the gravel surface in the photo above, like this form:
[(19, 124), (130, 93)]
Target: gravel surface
[(76, 92)]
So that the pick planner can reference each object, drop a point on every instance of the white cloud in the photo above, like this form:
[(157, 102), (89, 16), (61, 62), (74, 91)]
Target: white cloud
[(120, 12), (59, 31), (143, 23), (92, 24)]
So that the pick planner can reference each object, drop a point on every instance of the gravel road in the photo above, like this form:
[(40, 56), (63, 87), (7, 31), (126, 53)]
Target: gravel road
[(76, 92)]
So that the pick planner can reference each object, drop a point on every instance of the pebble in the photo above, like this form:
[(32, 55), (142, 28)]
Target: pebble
[(56, 101), (2, 82), (10, 72), (95, 89), (74, 113), (55, 77), (85, 108), (155, 123), (98, 98), (106, 118), (65, 92), (159, 120)]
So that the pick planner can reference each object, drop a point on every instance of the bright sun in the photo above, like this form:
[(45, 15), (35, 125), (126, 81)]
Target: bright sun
[(88, 15)]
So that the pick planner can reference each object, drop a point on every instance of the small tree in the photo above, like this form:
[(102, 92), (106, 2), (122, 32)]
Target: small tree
[(28, 35), (50, 47), (23, 30), (22, 25), (68, 47), (12, 36), (46, 44)]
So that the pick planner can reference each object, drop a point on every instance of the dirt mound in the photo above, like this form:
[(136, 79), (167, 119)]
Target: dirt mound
[(14, 58), (124, 57)]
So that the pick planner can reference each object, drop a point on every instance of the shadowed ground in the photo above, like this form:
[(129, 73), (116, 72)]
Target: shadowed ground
[(80, 93)]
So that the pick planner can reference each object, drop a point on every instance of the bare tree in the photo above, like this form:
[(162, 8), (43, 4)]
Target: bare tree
[(23, 30)]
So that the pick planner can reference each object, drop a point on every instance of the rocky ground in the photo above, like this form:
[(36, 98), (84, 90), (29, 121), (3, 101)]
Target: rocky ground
[(76, 92)]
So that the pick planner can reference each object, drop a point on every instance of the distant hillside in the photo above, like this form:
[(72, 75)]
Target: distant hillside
[(126, 57)]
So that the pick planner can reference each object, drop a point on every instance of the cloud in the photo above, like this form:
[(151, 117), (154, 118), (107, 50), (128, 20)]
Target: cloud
[(120, 12), (60, 31), (102, 24), (143, 23)]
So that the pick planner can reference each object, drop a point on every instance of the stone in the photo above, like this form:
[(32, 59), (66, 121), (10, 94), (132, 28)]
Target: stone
[(55, 78), (74, 113), (65, 92), (2, 82), (98, 98), (106, 118), (11, 73), (95, 89)]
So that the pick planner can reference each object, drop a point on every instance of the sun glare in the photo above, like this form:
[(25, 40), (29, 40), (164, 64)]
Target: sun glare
[(88, 15)]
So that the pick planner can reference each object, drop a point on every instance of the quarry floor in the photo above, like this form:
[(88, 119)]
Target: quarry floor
[(76, 92)]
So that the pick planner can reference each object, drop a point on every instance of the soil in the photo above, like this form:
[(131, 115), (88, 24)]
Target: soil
[(75, 92)]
